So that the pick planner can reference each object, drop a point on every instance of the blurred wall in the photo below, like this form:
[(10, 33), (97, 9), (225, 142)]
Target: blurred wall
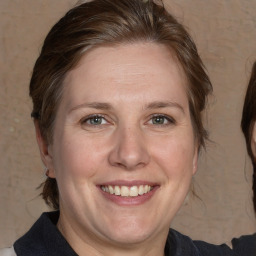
[(224, 31)]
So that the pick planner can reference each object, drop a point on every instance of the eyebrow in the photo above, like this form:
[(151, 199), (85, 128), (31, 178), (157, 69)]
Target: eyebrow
[(164, 104), (107, 106), (95, 105)]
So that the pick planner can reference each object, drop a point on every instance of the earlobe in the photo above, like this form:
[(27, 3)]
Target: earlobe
[(44, 149)]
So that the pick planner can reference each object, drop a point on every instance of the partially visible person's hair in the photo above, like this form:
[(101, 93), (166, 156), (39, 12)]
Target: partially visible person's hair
[(100, 22), (247, 123)]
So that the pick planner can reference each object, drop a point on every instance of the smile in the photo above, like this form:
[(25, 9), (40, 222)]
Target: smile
[(125, 191)]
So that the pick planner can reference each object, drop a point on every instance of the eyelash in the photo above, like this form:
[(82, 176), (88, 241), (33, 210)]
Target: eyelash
[(169, 119), (90, 117)]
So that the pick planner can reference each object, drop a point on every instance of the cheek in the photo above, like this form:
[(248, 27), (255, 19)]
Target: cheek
[(75, 166), (76, 158), (175, 155)]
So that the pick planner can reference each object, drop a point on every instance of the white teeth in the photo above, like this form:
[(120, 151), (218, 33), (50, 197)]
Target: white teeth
[(126, 191), (117, 191), (111, 190), (141, 190), (134, 191)]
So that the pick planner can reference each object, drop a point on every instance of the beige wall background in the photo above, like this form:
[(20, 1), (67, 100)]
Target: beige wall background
[(224, 31)]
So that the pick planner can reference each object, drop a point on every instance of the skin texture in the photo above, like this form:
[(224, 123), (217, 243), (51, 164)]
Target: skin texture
[(128, 85)]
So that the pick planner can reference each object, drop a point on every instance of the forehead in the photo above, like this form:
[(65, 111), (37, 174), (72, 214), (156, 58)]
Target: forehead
[(147, 68)]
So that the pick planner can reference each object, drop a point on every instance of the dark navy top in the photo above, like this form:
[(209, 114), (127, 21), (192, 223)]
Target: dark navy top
[(45, 239), (245, 245)]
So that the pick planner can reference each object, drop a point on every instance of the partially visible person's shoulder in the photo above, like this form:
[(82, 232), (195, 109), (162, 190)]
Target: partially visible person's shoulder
[(245, 245), (207, 249), (7, 252), (186, 246)]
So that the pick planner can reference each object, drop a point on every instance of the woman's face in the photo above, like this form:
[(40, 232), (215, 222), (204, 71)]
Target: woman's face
[(123, 150)]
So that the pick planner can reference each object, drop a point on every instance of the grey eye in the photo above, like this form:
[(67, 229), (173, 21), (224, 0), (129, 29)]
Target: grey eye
[(96, 120), (159, 120)]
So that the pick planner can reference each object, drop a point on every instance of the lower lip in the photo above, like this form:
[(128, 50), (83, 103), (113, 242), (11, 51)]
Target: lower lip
[(129, 201)]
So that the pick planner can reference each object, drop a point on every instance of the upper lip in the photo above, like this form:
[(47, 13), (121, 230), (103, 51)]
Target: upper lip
[(129, 183)]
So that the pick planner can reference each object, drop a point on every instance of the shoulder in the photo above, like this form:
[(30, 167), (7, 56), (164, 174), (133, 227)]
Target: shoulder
[(34, 242), (44, 239), (186, 246), (212, 249), (179, 244), (7, 252), (245, 245)]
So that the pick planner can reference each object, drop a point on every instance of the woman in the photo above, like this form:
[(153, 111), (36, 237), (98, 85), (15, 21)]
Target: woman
[(246, 245), (118, 91)]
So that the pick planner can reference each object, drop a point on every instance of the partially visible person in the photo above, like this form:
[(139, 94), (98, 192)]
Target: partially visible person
[(246, 245)]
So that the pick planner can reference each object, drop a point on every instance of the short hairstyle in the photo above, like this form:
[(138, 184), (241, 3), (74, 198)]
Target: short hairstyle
[(248, 121), (100, 22)]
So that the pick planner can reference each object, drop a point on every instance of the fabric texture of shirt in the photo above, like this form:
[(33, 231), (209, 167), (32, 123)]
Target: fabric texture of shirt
[(245, 245), (44, 239)]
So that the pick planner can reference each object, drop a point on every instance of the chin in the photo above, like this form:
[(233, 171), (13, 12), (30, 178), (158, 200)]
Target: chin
[(131, 233), (126, 239)]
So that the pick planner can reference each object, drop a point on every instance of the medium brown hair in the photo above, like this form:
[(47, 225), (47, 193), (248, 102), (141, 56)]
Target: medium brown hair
[(101, 22), (247, 123)]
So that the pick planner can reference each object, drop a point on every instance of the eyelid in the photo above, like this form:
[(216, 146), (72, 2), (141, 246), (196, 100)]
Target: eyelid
[(170, 119), (86, 118)]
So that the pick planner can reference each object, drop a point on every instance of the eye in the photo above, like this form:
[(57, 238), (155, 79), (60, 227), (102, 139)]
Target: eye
[(161, 120), (94, 120)]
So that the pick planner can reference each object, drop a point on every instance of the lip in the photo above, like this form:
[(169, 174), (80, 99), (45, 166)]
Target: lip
[(129, 201), (128, 183)]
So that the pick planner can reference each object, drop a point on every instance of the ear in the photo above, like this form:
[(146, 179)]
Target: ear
[(195, 159), (253, 140), (45, 151)]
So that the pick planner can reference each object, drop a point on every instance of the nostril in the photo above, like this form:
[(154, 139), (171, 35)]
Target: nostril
[(129, 165)]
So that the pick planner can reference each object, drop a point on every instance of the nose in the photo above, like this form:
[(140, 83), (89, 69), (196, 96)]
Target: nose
[(129, 150)]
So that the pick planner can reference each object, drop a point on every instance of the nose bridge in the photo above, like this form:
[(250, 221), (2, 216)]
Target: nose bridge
[(130, 149)]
